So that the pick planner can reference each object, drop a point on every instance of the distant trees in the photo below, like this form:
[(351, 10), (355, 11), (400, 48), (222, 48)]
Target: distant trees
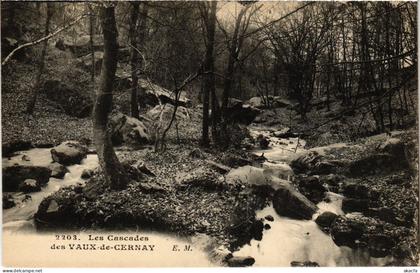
[(41, 63), (92, 19), (361, 55), (298, 44), (234, 43), (358, 53)]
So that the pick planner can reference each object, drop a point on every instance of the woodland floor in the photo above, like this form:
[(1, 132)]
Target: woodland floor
[(185, 188)]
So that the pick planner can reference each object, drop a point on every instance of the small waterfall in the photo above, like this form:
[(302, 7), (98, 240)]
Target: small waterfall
[(299, 240), (27, 204), (19, 228)]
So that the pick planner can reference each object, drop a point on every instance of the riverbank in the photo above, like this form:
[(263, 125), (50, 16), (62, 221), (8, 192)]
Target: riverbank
[(188, 196), (186, 190)]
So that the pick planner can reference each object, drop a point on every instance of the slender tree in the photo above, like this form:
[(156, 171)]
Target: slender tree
[(41, 63), (91, 42), (112, 169), (134, 60), (209, 23), (141, 42)]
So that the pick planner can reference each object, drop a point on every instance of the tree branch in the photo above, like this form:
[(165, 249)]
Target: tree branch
[(42, 39)]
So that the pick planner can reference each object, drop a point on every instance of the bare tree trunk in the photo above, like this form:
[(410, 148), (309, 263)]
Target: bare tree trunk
[(208, 69), (142, 25), (134, 59), (92, 48), (32, 100), (112, 169), (233, 55), (215, 115), (234, 48)]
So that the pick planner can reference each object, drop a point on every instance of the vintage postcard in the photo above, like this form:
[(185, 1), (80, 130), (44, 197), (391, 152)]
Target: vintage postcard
[(209, 134)]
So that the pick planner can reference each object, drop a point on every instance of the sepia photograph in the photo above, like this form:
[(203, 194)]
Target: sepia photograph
[(183, 134)]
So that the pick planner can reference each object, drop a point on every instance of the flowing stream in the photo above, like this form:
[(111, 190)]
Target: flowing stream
[(18, 223), (27, 204), (299, 240)]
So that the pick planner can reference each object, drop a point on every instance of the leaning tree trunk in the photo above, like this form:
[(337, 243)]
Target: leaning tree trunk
[(111, 167), (30, 107), (134, 60)]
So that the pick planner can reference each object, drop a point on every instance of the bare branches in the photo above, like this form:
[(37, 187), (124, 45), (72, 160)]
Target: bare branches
[(177, 92), (8, 57), (277, 20)]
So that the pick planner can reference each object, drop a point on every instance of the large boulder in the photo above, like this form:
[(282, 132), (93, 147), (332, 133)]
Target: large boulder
[(326, 219), (240, 261), (74, 102), (201, 177), (154, 94), (256, 102), (332, 181), (290, 203), (271, 101), (128, 130), (358, 232), (81, 46), (311, 187), (279, 102), (347, 232), (69, 152), (232, 102), (55, 211), (356, 190), (57, 170), (267, 115), (280, 170), (253, 176), (163, 113), (243, 114), (9, 148), (312, 163), (15, 175)]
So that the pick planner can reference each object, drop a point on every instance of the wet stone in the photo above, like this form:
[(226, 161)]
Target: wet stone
[(269, 218)]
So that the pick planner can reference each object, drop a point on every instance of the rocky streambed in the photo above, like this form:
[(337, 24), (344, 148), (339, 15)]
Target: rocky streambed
[(336, 205)]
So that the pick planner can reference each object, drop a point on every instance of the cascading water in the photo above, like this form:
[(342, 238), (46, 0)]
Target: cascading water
[(290, 240), (19, 228), (27, 204)]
